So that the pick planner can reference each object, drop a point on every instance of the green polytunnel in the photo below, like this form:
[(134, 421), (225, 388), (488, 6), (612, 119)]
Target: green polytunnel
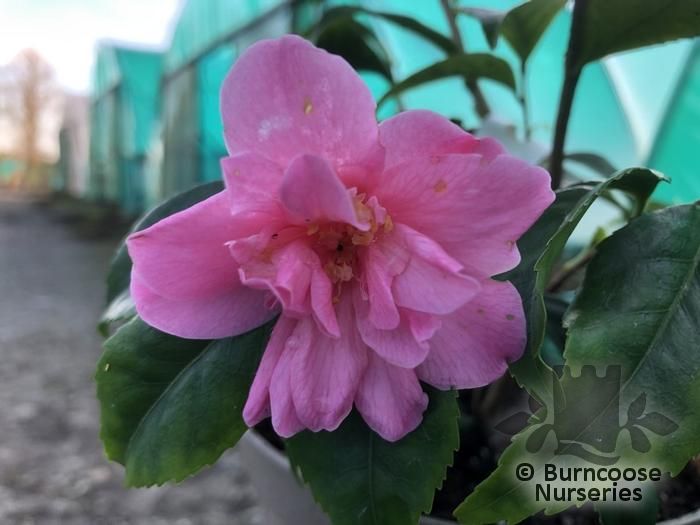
[(633, 108), (207, 38), (124, 112), (676, 148)]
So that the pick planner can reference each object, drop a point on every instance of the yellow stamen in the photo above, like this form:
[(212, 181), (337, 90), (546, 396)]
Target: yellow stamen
[(362, 238), (388, 224)]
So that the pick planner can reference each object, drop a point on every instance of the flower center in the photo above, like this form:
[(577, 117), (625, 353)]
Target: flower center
[(339, 244)]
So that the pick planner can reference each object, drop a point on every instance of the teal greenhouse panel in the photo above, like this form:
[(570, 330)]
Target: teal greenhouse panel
[(203, 22), (139, 98), (676, 151), (211, 71), (596, 94)]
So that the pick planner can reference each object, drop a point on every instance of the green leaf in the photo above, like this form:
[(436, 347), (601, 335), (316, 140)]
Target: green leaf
[(408, 23), (171, 406), (360, 479), (540, 249), (638, 309), (611, 26), (524, 25), (119, 274), (642, 513), (355, 43), (593, 161), (501, 496), (490, 20), (530, 371), (120, 310), (470, 66)]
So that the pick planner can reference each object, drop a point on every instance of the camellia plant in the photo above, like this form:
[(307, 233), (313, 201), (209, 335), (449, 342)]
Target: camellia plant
[(358, 284)]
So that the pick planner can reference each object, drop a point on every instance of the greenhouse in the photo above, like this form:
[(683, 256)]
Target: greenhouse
[(125, 109), (139, 157), (635, 108), (205, 42)]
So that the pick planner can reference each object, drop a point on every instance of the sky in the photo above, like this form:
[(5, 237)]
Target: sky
[(65, 32)]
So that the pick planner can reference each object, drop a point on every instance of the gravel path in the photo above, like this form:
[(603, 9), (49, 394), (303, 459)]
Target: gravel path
[(52, 469)]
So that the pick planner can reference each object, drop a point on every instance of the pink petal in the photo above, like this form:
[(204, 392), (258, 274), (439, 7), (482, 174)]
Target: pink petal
[(325, 371), (252, 185), (433, 281), (311, 192), (475, 210), (284, 416), (476, 343), (211, 316), (185, 254), (257, 407), (423, 326), (285, 97), (322, 302), (286, 272), (378, 273), (184, 281), (390, 399), (420, 133), (397, 346)]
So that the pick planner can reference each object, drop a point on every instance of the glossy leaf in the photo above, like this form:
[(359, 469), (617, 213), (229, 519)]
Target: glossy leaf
[(536, 439), (355, 43), (501, 497), (171, 406), (530, 371), (360, 479), (611, 26), (638, 309), (119, 274), (470, 66), (540, 248), (642, 513), (524, 25), (120, 310), (406, 22)]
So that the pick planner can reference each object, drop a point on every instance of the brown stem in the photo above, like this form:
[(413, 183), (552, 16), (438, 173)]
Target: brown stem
[(556, 161), (571, 76), (480, 104), (522, 97), (563, 275)]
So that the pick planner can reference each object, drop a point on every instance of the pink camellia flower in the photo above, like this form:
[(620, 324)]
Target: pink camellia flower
[(375, 245)]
